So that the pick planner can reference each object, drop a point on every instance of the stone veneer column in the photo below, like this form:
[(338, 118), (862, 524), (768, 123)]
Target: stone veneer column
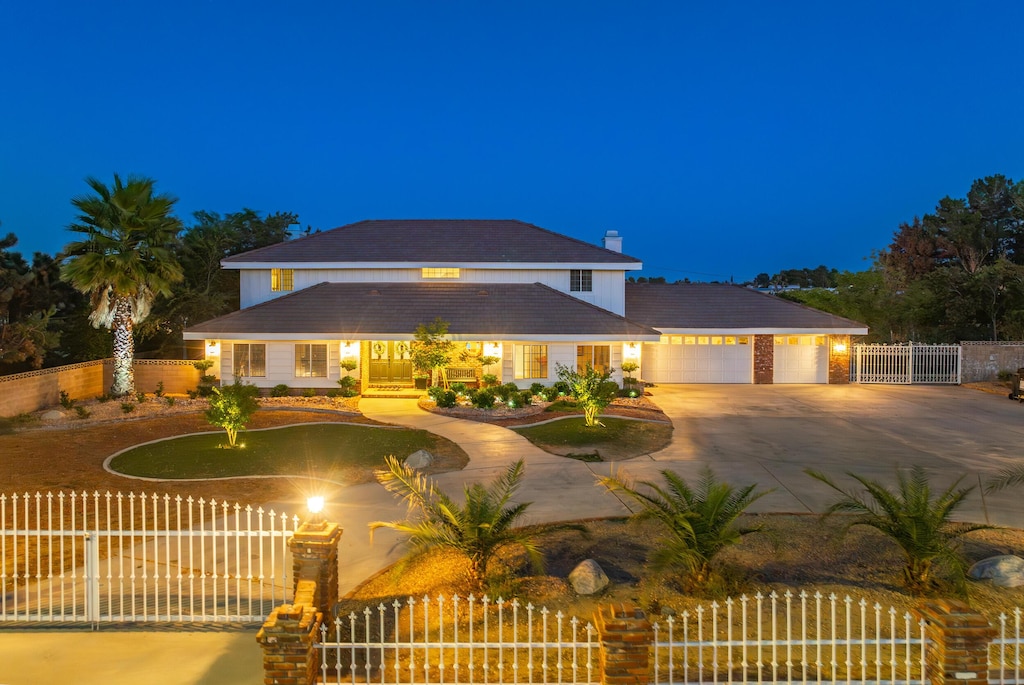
[(626, 637), (314, 549), (839, 362), (959, 638), (764, 359)]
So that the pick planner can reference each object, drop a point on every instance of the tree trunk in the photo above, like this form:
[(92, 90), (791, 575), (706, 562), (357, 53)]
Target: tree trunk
[(124, 349)]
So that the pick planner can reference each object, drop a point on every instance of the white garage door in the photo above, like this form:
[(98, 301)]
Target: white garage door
[(801, 359), (699, 359)]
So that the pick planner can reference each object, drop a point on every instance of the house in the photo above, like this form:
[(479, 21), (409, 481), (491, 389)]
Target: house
[(526, 296)]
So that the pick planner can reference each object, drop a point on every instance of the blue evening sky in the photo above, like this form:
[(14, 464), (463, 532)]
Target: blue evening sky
[(720, 139)]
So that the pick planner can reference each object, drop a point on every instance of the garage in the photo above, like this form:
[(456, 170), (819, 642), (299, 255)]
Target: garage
[(699, 359), (801, 359)]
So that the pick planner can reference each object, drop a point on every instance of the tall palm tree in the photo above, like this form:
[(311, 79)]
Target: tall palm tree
[(920, 523), (478, 528), (698, 522), (124, 260)]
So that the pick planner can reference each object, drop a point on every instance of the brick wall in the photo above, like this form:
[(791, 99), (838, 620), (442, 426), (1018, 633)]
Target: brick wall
[(33, 390), (982, 361), (764, 359)]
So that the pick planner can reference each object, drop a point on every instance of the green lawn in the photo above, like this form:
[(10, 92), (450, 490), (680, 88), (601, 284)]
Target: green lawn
[(341, 452), (619, 439)]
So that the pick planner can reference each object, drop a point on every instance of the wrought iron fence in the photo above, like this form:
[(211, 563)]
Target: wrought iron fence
[(906, 364), (137, 557)]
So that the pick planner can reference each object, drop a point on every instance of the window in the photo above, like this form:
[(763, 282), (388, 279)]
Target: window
[(439, 272), (250, 360), (531, 361), (597, 357), (311, 361), (581, 280), (282, 279)]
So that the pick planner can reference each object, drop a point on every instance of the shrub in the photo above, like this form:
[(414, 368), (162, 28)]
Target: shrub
[(159, 392), (561, 389), (536, 388), (82, 412), (446, 399), (526, 398), (192, 394), (489, 379), (127, 407), (1005, 376), (105, 397), (309, 392), (349, 364), (140, 397), (65, 400), (434, 392), (280, 390), (506, 391), (459, 388), (484, 399), (169, 401), (348, 383), (334, 392)]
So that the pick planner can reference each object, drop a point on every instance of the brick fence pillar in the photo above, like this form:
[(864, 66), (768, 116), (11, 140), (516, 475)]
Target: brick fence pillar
[(764, 359), (959, 638), (287, 640), (314, 549), (839, 359), (626, 639)]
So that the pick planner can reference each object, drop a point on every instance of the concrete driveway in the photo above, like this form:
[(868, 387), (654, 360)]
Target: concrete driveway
[(769, 434)]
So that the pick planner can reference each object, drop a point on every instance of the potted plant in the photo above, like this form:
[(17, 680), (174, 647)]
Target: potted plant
[(421, 380)]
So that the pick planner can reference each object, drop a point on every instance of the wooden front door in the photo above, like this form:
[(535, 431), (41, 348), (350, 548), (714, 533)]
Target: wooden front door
[(390, 363)]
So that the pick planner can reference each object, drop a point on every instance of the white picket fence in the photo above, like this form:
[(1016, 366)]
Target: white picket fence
[(765, 638), (461, 640), (906, 364), (115, 557)]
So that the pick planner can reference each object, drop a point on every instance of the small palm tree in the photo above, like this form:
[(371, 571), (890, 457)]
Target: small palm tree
[(1009, 477), (478, 528), (123, 262), (698, 522), (911, 516)]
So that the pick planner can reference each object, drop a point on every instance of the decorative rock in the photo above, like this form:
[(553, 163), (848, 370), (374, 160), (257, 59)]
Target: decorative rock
[(1006, 570), (420, 459), (588, 578), (52, 415)]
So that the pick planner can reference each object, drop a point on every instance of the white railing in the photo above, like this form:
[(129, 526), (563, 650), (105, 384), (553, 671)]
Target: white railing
[(1005, 651), (906, 364), (790, 638), (116, 557), (458, 640)]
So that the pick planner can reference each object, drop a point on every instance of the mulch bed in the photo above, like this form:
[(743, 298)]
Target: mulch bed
[(627, 407)]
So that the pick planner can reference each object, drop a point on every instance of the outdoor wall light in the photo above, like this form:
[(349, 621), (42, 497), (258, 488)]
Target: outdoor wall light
[(492, 349), (212, 348), (631, 351), (839, 348)]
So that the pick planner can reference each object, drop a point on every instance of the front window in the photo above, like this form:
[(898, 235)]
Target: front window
[(439, 272), (597, 357), (311, 361), (531, 361), (282, 279), (581, 280), (250, 360)]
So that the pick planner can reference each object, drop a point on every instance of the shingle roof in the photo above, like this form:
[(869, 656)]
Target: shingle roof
[(355, 310), (435, 241), (714, 306)]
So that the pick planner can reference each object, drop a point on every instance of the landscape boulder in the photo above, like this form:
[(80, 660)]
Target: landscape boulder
[(420, 459), (588, 578), (1005, 570), (52, 415)]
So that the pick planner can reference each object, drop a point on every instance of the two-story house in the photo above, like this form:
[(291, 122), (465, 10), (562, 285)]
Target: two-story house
[(509, 290)]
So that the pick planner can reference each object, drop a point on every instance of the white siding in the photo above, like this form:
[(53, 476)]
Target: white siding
[(281, 365), (608, 286), (559, 353)]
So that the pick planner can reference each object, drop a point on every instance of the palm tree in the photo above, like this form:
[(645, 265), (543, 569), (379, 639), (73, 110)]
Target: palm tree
[(478, 528), (698, 522), (124, 260), (920, 523), (1008, 477)]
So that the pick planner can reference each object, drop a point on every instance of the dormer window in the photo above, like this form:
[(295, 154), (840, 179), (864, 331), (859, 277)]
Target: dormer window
[(433, 272), (581, 280), (282, 279)]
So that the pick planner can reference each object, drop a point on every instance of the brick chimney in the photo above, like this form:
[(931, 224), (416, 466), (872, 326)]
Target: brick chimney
[(613, 241)]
